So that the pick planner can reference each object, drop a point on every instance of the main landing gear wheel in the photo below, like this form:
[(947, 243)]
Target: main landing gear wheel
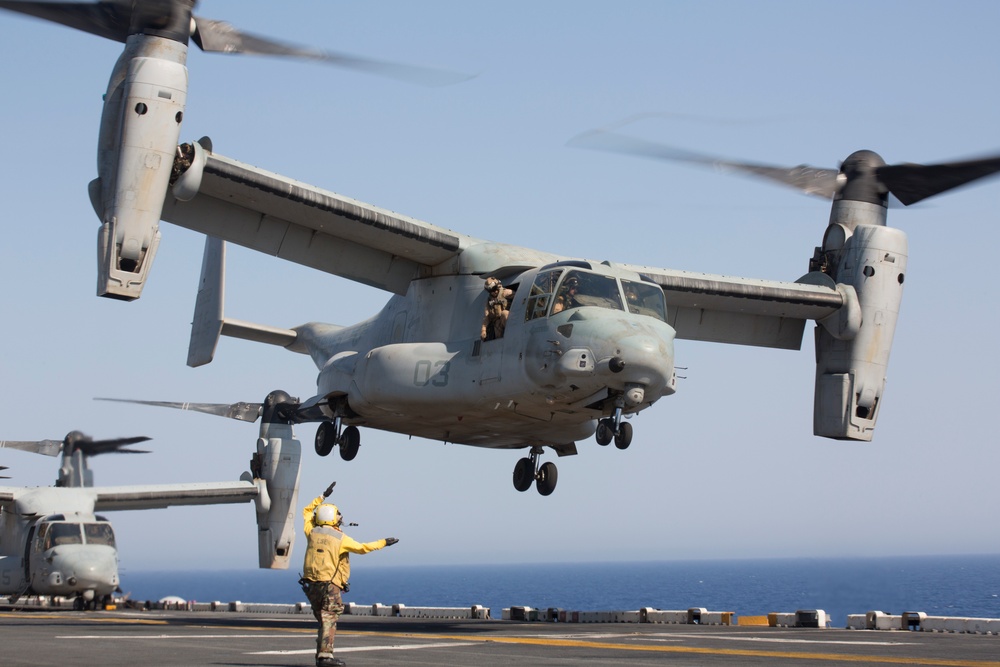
[(349, 442), (524, 474), (527, 471), (326, 438), (547, 477)]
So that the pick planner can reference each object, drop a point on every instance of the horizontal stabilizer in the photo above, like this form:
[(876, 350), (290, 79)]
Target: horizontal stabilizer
[(209, 323)]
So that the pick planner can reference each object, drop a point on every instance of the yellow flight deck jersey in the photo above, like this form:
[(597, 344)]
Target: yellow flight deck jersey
[(329, 550)]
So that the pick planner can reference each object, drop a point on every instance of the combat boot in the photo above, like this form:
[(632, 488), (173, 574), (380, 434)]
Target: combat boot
[(330, 662)]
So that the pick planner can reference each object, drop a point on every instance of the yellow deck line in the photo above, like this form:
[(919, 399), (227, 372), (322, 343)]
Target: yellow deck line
[(748, 653)]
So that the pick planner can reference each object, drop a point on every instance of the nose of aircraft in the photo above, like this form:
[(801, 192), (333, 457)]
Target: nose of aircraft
[(642, 361), (94, 569)]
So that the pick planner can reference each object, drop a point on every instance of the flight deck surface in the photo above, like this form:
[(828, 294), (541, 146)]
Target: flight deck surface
[(59, 637)]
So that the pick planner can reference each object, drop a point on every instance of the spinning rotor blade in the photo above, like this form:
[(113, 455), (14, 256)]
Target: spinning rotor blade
[(117, 19), (221, 37), (76, 441), (909, 183), (247, 412), (114, 446), (112, 19), (4, 476), (810, 180), (43, 447)]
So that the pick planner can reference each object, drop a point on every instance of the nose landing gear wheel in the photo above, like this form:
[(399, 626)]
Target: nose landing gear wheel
[(548, 474), (605, 432), (623, 438), (349, 442), (524, 474)]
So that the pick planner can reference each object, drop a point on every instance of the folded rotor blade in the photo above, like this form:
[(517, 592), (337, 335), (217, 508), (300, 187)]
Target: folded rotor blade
[(911, 183), (809, 180), (43, 447), (247, 412), (222, 37)]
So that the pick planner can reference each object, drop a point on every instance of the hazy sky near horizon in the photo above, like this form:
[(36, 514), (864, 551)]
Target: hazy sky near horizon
[(726, 468)]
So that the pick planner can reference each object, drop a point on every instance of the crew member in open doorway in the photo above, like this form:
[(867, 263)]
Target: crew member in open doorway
[(497, 309), (327, 569)]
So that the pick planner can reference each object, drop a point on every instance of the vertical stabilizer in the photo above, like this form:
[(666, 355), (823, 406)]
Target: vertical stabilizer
[(207, 324)]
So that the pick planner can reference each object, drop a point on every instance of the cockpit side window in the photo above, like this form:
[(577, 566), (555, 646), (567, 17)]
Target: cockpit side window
[(541, 293), (645, 299), (40, 540), (99, 533), (579, 288)]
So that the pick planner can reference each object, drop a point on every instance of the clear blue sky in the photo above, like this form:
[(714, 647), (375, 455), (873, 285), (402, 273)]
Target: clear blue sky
[(726, 468)]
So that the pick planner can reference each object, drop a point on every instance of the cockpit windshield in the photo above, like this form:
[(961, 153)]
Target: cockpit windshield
[(99, 533), (645, 299), (558, 290), (59, 534), (579, 288)]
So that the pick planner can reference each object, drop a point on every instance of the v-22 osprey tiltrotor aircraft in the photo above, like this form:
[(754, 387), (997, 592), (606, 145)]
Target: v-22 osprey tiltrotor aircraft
[(53, 542), (586, 342)]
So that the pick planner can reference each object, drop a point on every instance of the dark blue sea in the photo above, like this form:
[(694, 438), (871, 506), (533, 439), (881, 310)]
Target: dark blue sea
[(937, 585)]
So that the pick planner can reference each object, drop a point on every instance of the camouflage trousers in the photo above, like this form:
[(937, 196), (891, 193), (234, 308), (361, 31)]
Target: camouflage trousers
[(327, 607)]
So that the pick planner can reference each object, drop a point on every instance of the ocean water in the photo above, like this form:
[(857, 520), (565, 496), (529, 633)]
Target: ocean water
[(937, 585)]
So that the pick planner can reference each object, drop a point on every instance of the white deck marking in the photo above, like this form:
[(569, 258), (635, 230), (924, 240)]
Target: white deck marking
[(667, 636), (359, 649), (175, 636)]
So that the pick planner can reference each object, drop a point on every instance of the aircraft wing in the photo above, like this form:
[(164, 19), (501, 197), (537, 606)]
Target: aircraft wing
[(744, 311), (279, 216), (156, 496)]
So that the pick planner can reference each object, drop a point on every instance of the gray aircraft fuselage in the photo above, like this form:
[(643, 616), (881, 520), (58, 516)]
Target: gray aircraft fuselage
[(70, 553), (419, 366)]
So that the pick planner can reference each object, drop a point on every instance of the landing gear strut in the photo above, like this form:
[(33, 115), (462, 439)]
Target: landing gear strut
[(330, 435), (613, 428), (527, 471)]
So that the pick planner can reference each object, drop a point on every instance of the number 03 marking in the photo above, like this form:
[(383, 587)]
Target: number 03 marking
[(429, 372)]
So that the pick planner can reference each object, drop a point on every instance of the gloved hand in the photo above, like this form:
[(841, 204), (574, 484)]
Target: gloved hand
[(389, 541), (329, 490)]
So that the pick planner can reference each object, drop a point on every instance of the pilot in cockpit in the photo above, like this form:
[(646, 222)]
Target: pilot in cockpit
[(567, 295)]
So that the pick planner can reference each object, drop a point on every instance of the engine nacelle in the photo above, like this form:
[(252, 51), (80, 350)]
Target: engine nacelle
[(851, 360), (140, 127), (276, 472)]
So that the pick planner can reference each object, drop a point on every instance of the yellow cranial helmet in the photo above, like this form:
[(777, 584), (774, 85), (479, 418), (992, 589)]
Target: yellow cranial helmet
[(327, 514)]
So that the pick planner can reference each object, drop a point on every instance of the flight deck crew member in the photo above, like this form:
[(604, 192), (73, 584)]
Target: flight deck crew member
[(497, 309), (327, 568)]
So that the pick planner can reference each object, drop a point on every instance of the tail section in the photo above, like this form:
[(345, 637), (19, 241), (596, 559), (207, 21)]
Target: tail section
[(209, 323)]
